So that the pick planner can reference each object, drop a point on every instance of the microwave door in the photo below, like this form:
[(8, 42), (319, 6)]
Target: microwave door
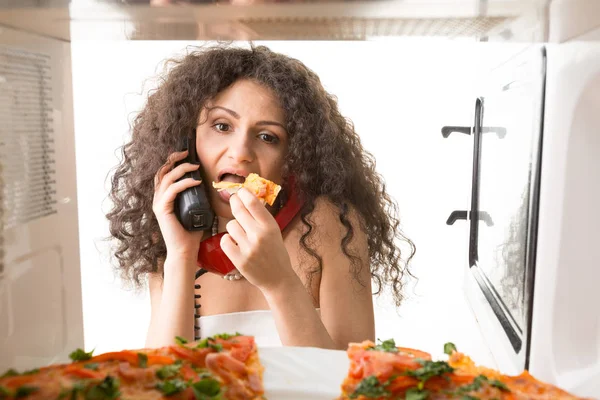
[(507, 136)]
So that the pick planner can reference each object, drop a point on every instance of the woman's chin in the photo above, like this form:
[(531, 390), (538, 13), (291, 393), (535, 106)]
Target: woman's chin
[(222, 210)]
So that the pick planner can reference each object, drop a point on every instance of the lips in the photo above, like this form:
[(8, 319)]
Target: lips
[(234, 175), (224, 195)]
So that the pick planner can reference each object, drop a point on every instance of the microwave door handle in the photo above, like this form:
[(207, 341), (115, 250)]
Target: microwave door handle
[(447, 130), (456, 215), (474, 222)]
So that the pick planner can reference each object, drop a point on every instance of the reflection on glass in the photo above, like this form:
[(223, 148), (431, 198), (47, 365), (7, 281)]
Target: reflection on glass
[(504, 194)]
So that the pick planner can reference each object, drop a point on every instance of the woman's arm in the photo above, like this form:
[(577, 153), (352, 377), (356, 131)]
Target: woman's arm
[(297, 321), (172, 297), (255, 245), (346, 304), (172, 302)]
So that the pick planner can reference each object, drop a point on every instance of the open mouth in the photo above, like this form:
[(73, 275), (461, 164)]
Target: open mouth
[(231, 177)]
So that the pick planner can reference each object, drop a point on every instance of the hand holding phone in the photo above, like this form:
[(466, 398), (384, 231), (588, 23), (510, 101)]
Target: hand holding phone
[(192, 207)]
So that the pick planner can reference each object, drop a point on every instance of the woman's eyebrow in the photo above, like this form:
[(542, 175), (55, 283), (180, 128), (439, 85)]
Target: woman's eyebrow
[(233, 113), (237, 116), (263, 123)]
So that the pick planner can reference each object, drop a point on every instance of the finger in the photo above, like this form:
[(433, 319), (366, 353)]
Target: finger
[(171, 160), (231, 249), (177, 173), (241, 214), (236, 232), (168, 197), (253, 206)]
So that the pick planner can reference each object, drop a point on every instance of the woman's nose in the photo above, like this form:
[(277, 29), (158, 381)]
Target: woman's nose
[(240, 149)]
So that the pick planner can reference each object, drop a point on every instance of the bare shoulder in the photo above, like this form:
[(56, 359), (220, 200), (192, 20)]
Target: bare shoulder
[(328, 219), (343, 291), (329, 226)]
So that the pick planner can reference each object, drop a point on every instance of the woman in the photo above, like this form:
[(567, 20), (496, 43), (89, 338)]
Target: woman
[(256, 111)]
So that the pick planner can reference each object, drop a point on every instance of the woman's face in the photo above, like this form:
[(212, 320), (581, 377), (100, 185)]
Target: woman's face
[(242, 130)]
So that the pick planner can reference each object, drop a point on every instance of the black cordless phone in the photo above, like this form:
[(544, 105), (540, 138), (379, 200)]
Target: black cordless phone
[(191, 206)]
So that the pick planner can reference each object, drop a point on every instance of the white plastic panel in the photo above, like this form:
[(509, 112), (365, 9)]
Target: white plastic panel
[(572, 19), (565, 343), (34, 319), (40, 283)]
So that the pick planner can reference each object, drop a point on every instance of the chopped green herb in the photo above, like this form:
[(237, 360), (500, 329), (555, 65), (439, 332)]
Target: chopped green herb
[(25, 390), (500, 385), (430, 369), (143, 360), (31, 371), (4, 392), (179, 340), (9, 373), (388, 346), (171, 387), (416, 394), (476, 385), (78, 387), (64, 392), (471, 387), (370, 387), (206, 389), (207, 342), (92, 366), (80, 355), (225, 336), (168, 371), (202, 374), (108, 389), (449, 348), (217, 347)]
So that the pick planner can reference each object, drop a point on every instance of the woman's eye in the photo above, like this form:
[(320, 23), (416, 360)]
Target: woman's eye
[(221, 127), (265, 137)]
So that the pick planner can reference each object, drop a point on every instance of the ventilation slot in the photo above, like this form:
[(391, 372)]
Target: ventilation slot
[(27, 157), (361, 29), (317, 28)]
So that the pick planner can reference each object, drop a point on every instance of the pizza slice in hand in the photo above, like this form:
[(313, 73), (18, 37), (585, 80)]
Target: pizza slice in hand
[(265, 190)]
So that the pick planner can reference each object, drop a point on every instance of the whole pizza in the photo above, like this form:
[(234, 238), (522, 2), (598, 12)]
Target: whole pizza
[(385, 371), (220, 367)]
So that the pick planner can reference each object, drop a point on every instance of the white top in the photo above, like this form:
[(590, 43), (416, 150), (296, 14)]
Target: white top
[(259, 323)]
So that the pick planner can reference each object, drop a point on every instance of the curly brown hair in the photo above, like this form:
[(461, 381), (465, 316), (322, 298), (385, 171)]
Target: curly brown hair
[(325, 155)]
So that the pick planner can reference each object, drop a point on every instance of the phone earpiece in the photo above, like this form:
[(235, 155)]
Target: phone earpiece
[(192, 207)]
